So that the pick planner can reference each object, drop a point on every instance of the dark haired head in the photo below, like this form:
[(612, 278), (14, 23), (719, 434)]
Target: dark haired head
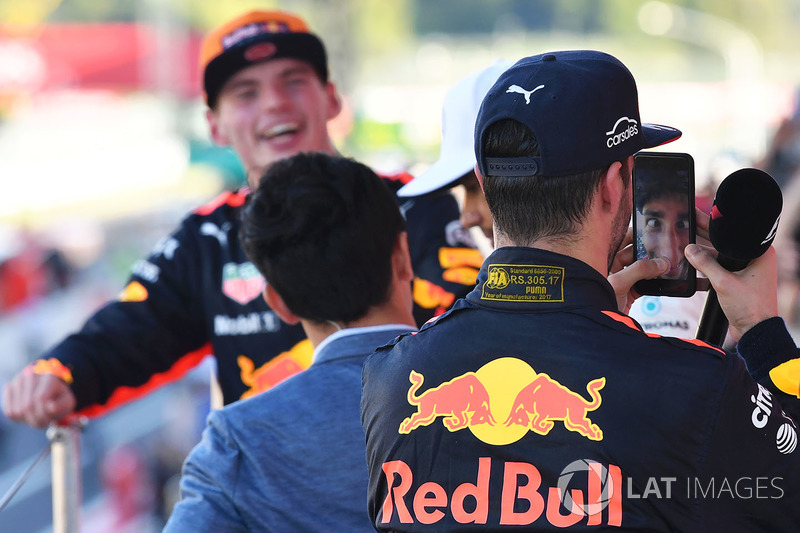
[(321, 229), (526, 209), (648, 190)]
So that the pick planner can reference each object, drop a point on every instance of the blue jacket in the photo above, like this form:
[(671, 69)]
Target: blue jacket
[(290, 459), (534, 403)]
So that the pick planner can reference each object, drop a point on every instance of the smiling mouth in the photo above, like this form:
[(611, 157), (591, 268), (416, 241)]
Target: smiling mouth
[(280, 130)]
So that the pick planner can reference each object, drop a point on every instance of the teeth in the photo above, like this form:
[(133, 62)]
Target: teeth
[(280, 129)]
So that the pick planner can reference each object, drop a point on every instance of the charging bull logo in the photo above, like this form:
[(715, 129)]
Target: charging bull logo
[(281, 367), (546, 400), (463, 401), (509, 390)]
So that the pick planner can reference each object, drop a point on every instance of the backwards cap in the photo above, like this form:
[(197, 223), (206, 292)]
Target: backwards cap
[(459, 110), (252, 38), (582, 106)]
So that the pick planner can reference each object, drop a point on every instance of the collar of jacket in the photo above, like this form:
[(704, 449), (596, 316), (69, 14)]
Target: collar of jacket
[(533, 280)]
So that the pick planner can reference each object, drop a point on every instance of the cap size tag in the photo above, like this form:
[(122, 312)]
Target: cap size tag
[(524, 283)]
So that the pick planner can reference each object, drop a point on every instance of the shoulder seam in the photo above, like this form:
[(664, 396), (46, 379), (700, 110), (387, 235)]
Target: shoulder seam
[(233, 199)]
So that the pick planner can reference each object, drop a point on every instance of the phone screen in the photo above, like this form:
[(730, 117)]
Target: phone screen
[(664, 219)]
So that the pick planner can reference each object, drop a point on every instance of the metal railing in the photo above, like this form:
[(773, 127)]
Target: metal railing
[(64, 446)]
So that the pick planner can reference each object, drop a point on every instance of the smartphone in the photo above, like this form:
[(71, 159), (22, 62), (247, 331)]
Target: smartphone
[(664, 219)]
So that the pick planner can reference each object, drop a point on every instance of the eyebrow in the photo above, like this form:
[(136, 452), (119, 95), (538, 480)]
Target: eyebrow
[(286, 72), (242, 82), (661, 214)]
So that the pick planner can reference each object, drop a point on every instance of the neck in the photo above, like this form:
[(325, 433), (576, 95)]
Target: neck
[(377, 316), (589, 244)]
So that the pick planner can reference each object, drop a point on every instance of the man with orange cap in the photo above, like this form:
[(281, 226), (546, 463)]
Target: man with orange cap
[(265, 78)]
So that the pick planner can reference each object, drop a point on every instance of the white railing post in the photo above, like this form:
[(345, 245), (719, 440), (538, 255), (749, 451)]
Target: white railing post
[(65, 452)]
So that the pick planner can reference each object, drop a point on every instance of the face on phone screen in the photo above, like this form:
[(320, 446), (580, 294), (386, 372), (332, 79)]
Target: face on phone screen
[(664, 213)]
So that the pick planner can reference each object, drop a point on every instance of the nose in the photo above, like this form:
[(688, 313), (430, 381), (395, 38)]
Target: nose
[(672, 248), (471, 214), (273, 98), (469, 217)]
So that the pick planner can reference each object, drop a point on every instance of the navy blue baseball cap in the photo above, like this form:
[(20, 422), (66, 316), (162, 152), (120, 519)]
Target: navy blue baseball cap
[(583, 107)]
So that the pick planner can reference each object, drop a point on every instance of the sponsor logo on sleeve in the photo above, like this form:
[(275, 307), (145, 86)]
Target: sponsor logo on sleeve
[(146, 270)]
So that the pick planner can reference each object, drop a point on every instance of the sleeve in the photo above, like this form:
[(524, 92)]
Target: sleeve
[(773, 360), (750, 477), (444, 256), (151, 334), (208, 483)]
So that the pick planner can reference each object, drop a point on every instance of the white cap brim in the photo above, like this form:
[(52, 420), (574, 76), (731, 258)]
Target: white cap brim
[(457, 151), (443, 173)]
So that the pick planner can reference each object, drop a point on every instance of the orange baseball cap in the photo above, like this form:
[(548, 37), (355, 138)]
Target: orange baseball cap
[(255, 37)]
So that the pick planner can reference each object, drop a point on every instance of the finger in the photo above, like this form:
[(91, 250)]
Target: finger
[(9, 401), (623, 259), (35, 413), (24, 394), (50, 401), (623, 280), (704, 261), (646, 269), (701, 221), (628, 239), (60, 406)]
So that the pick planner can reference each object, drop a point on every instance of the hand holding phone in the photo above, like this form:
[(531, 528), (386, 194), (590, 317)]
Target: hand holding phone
[(664, 219)]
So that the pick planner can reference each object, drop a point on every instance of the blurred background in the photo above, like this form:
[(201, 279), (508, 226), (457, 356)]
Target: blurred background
[(104, 147)]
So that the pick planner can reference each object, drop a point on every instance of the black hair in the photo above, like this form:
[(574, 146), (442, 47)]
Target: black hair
[(648, 190), (321, 229), (529, 208)]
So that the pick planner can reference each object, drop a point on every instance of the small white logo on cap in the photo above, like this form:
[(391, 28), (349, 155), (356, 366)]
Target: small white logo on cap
[(629, 128), (520, 90)]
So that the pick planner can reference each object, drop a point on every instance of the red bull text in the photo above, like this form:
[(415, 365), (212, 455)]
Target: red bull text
[(522, 500)]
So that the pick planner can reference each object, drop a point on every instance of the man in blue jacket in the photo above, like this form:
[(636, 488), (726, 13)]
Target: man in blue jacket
[(535, 402), (328, 237)]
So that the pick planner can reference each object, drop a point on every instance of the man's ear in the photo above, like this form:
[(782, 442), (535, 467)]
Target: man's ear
[(612, 187), (213, 126), (276, 303), (334, 101), (401, 258), (479, 175)]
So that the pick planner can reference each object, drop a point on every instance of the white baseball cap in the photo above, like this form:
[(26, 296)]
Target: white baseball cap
[(457, 152)]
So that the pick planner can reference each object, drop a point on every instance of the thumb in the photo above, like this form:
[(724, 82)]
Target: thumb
[(643, 269), (703, 260), (61, 404), (624, 280)]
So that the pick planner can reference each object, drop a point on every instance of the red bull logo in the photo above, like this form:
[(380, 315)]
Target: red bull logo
[(463, 402), (429, 295), (281, 367), (546, 400), (506, 389)]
